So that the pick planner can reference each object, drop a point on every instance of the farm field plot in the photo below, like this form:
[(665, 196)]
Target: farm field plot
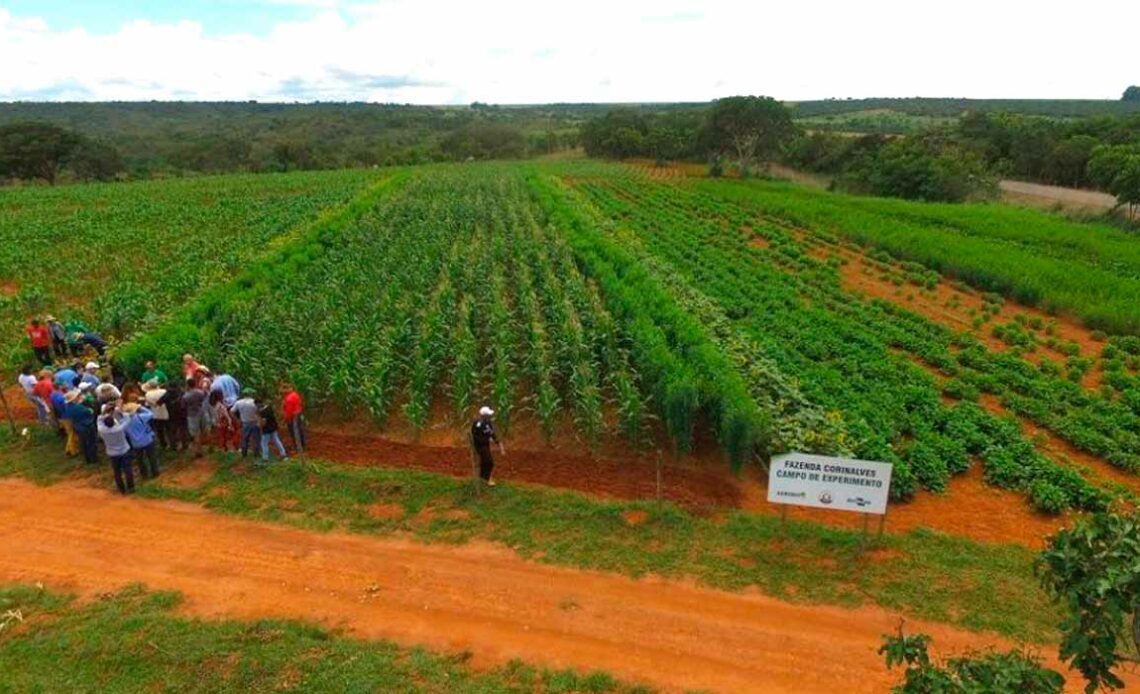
[(120, 256), (612, 315)]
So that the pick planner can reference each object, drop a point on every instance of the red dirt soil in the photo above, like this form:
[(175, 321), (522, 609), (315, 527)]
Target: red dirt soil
[(479, 598)]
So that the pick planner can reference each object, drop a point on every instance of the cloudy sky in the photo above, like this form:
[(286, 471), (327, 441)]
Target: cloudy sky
[(429, 51)]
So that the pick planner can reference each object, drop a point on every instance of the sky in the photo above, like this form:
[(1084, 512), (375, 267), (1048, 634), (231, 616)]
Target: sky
[(514, 52)]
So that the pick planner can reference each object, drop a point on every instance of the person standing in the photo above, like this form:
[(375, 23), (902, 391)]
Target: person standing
[(267, 423), (228, 429), (191, 368), (28, 382), (40, 336), (58, 337), (68, 377), (91, 375), (228, 386), (105, 393), (245, 409), (142, 439), (59, 400), (482, 434), (293, 407), (197, 416), (155, 396), (83, 421), (113, 431), (153, 373), (43, 389)]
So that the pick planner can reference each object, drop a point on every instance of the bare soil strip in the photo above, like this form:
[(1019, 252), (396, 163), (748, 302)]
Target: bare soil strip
[(480, 598)]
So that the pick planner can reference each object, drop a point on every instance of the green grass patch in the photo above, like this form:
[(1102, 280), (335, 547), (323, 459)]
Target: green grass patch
[(131, 641), (922, 573)]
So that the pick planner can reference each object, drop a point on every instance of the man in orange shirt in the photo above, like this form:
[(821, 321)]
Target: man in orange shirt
[(40, 335), (293, 408)]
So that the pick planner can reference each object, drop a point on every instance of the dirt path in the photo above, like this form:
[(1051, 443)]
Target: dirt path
[(1040, 195), (480, 598)]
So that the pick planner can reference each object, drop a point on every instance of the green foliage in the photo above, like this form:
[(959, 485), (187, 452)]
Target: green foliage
[(34, 150), (918, 169), (1093, 570), (1117, 170), (1014, 672), (1131, 94), (749, 128), (133, 641)]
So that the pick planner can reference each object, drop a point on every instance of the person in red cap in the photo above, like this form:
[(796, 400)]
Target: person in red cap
[(40, 335)]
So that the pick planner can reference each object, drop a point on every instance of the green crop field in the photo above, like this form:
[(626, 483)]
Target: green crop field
[(990, 353), (590, 293)]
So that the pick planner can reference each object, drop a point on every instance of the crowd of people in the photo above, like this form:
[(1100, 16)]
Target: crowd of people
[(139, 422)]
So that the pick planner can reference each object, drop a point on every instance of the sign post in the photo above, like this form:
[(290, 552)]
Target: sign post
[(840, 484)]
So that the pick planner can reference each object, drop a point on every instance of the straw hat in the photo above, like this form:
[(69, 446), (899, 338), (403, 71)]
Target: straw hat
[(73, 395)]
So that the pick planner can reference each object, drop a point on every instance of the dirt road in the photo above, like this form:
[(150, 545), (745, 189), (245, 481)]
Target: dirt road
[(480, 598), (1040, 195)]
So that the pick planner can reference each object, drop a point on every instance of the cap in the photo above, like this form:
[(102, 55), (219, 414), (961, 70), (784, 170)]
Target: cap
[(92, 365), (486, 411), (150, 385), (248, 391), (73, 395), (84, 386)]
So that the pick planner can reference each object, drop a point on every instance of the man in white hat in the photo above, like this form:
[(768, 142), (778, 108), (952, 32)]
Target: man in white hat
[(482, 434), (91, 374)]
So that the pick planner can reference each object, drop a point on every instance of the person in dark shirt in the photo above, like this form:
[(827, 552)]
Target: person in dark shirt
[(482, 434), (267, 421)]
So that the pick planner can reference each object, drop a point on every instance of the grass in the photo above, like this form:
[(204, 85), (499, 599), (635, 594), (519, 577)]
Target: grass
[(132, 641), (922, 574)]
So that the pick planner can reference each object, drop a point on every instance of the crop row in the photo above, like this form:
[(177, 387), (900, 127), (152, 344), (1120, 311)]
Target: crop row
[(831, 343), (121, 256), (1085, 270)]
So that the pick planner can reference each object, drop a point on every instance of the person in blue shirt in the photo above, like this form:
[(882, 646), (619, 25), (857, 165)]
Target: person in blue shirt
[(229, 387), (68, 377), (91, 375), (142, 439), (83, 421)]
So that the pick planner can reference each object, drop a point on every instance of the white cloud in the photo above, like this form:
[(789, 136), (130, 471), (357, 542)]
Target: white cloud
[(514, 52)]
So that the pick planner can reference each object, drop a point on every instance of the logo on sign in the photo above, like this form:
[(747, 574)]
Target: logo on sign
[(825, 498), (859, 501)]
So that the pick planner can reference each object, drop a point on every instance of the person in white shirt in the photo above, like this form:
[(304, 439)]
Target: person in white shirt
[(28, 384)]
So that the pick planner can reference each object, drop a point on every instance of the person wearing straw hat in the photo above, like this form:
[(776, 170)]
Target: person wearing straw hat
[(82, 421), (482, 434), (72, 448), (155, 397), (113, 430), (58, 337)]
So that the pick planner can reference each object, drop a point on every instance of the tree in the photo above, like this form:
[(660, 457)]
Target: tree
[(33, 150), (93, 160), (1014, 672), (1093, 570), (747, 127), (1116, 169), (1131, 94), (919, 170)]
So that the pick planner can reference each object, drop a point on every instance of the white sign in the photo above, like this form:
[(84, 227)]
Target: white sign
[(842, 484)]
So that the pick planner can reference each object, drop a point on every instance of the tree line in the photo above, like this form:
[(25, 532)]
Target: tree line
[(144, 140)]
